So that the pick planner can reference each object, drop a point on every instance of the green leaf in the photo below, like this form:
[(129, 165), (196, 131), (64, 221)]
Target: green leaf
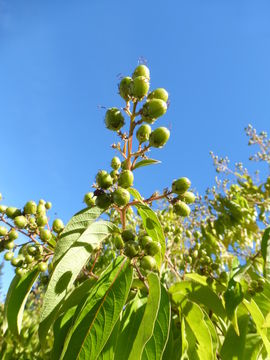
[(67, 270), (265, 249), (74, 229), (18, 292), (146, 162), (108, 351), (100, 312), (233, 296), (135, 193), (153, 228), (157, 343), (147, 324), (259, 320)]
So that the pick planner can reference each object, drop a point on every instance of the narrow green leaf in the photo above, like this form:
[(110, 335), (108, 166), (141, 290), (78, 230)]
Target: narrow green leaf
[(265, 249), (67, 270), (253, 347), (108, 351), (233, 296), (74, 229), (146, 162), (18, 292), (156, 345), (175, 342), (135, 193), (100, 312), (147, 325), (153, 228)]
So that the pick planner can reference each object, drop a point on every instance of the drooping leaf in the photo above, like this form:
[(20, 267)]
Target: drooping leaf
[(18, 292), (67, 270), (108, 351), (100, 312), (146, 162), (175, 342), (74, 229), (153, 228), (265, 249), (233, 297), (156, 345), (147, 324)]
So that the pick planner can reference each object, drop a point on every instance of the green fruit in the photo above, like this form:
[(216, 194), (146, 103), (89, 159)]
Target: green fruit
[(103, 201), (45, 234), (41, 209), (3, 231), (143, 133), (152, 248), (89, 199), (188, 197), (18, 261), (181, 209), (141, 70), (58, 225), (12, 212), (42, 220), (124, 165), (104, 179), (3, 209), (121, 197), (114, 175), (131, 249), (29, 259), (9, 245), (42, 202), (144, 240), (20, 221), (32, 250), (118, 242), (8, 255), (148, 263), (42, 266), (48, 205), (115, 163), (140, 87), (159, 93), (30, 208), (181, 185), (126, 179), (114, 119), (128, 235), (20, 272), (159, 137), (153, 109), (124, 88)]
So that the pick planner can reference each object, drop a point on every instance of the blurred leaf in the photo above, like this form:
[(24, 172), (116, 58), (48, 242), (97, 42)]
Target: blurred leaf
[(146, 162)]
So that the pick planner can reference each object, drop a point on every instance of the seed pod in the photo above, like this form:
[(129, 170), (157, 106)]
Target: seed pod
[(128, 235), (114, 119), (181, 209), (124, 88), (30, 208), (12, 212), (143, 133), (126, 178), (148, 263), (181, 185), (121, 197), (103, 201), (159, 93), (20, 221), (89, 199), (153, 109), (3, 231), (104, 179), (115, 163), (140, 87), (141, 70), (159, 137)]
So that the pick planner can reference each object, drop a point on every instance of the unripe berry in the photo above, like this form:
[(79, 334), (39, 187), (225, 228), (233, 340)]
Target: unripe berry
[(48, 205), (159, 137), (41, 209), (188, 197), (89, 199), (58, 225), (3, 209), (140, 87), (159, 93), (114, 119), (126, 178), (181, 185), (29, 259), (20, 221), (181, 209), (128, 235), (3, 231), (153, 109), (32, 250), (104, 179), (124, 88), (18, 261), (8, 255), (9, 245), (12, 212), (121, 197), (131, 249), (42, 266), (42, 220), (148, 263), (114, 175), (118, 242), (144, 240), (124, 165), (141, 70), (30, 208), (152, 248), (103, 201), (143, 133), (45, 234), (20, 272), (115, 163)]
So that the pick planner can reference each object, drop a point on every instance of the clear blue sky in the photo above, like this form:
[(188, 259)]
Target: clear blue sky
[(59, 60)]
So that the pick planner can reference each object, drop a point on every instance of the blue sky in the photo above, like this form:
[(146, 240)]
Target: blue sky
[(59, 60)]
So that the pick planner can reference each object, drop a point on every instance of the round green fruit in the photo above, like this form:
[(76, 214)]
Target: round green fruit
[(181, 209), (141, 70), (20, 221), (9, 245), (152, 248), (12, 212), (3, 231), (18, 261), (124, 88), (104, 180), (114, 119), (153, 109), (103, 201), (115, 163), (188, 197), (42, 220), (32, 250), (131, 249), (159, 137), (143, 133), (58, 226), (125, 179), (48, 205), (118, 242), (180, 186), (159, 93), (140, 87), (3, 209), (114, 175), (148, 263), (124, 165), (128, 235), (144, 240), (29, 259), (30, 208), (41, 209), (42, 266), (8, 255), (20, 272), (121, 197), (45, 234), (89, 199)]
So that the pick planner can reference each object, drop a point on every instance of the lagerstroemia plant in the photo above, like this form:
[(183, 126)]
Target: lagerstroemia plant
[(151, 285)]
